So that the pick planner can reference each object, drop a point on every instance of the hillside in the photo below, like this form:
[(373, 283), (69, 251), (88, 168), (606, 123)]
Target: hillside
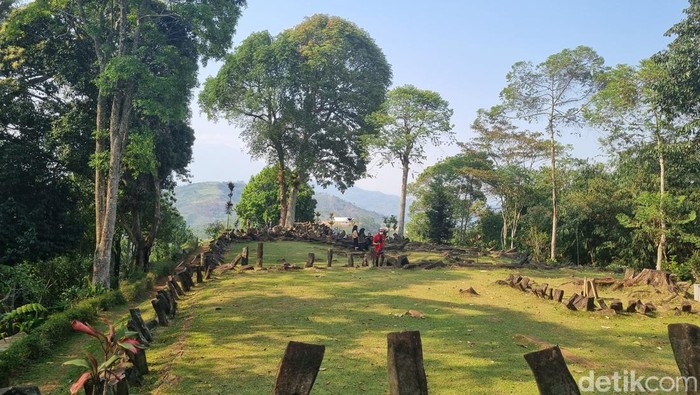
[(204, 202)]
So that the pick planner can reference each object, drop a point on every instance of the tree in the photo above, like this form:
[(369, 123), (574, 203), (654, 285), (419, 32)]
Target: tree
[(679, 89), (146, 56), (626, 107), (553, 92), (508, 156), (259, 199), (410, 118), (461, 186), (302, 98), (434, 222)]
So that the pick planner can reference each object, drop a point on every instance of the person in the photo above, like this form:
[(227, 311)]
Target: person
[(355, 238), (378, 243), (362, 240)]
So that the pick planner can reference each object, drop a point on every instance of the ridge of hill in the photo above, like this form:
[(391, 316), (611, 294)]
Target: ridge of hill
[(202, 203)]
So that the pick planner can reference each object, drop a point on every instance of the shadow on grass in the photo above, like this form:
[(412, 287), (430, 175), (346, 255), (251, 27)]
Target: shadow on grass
[(237, 328)]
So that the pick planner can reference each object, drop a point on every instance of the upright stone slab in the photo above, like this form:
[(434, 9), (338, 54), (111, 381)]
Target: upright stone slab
[(244, 255), (298, 368), (20, 390), (140, 325), (259, 256), (551, 373), (685, 342), (310, 259), (558, 295), (405, 364), (329, 258)]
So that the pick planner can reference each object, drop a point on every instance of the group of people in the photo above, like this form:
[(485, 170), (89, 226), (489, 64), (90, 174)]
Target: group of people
[(360, 241)]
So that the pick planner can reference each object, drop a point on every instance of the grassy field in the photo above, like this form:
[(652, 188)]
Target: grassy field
[(231, 332)]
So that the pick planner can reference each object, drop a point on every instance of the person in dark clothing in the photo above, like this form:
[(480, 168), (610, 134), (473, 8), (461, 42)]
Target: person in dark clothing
[(362, 240)]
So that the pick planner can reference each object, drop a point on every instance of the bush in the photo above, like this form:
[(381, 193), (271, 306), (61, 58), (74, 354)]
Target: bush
[(54, 330)]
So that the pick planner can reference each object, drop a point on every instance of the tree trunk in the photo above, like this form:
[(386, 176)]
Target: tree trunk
[(122, 100), (100, 181), (402, 206), (661, 247), (281, 180), (155, 225), (553, 245), (118, 130), (292, 202)]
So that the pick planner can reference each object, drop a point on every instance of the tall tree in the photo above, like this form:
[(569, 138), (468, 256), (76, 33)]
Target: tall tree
[(510, 155), (626, 107), (302, 98), (142, 61), (553, 92), (410, 118)]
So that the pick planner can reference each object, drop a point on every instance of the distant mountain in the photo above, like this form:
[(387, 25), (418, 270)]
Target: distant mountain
[(204, 202), (378, 202)]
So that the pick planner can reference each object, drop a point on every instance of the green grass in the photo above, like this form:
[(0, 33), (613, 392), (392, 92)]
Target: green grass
[(231, 332)]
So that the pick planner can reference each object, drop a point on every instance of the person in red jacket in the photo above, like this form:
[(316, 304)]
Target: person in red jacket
[(378, 243)]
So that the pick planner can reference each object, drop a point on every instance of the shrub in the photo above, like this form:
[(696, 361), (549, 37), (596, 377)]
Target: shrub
[(54, 330)]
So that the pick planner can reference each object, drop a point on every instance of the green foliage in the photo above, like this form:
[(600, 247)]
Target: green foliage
[(115, 345), (260, 200), (283, 92), (53, 331), (689, 270), (22, 319), (214, 229)]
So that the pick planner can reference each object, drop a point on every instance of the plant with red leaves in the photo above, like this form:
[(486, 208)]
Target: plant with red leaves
[(114, 345)]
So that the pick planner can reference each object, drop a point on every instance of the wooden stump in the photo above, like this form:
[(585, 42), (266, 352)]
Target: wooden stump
[(350, 260), (365, 259), (543, 287), (298, 368), (403, 260), (310, 259), (329, 259), (685, 342), (632, 306), (558, 295), (259, 257), (550, 295), (405, 364), (551, 373)]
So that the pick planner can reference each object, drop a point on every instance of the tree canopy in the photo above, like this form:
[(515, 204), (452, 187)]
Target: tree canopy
[(409, 119), (302, 99)]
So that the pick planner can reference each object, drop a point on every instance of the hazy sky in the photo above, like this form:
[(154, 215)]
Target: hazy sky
[(461, 49)]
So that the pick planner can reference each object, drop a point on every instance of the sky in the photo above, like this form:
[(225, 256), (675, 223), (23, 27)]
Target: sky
[(461, 49)]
